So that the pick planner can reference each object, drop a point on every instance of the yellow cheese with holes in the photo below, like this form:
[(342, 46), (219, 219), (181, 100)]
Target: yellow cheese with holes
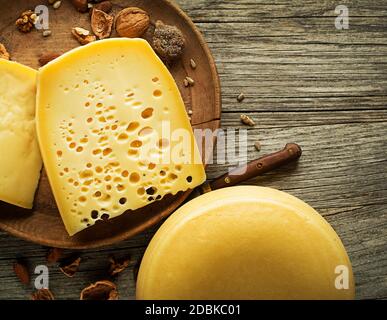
[(245, 243), (20, 161), (113, 131)]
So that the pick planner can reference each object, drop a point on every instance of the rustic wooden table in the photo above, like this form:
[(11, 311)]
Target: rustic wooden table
[(304, 81)]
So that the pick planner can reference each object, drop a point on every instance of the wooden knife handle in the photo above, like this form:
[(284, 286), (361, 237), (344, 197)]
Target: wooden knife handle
[(290, 153)]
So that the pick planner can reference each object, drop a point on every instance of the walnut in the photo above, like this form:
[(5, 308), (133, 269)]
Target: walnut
[(101, 290), (101, 24), (118, 265), (70, 267), (132, 22), (168, 41), (42, 294), (3, 52), (83, 36), (26, 21)]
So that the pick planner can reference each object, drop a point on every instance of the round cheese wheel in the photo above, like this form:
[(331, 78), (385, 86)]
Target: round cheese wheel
[(245, 242)]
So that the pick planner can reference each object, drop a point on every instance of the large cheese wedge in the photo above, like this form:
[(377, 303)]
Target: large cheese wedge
[(20, 161), (245, 243), (113, 131)]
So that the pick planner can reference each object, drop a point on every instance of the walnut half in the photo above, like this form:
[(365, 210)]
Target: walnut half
[(118, 265), (101, 290), (3, 52)]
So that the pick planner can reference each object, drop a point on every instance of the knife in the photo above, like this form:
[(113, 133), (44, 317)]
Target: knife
[(292, 152)]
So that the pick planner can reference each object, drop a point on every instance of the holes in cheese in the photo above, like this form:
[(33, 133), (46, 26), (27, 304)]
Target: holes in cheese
[(20, 161), (109, 136)]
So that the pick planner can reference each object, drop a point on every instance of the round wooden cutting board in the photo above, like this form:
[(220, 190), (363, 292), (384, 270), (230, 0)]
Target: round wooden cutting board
[(43, 224)]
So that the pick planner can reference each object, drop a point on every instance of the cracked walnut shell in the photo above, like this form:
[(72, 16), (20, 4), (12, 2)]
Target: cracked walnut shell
[(101, 24), (101, 290), (118, 265), (42, 294), (70, 267), (105, 6)]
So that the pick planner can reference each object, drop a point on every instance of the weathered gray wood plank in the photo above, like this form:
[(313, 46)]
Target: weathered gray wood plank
[(252, 10), (342, 174), (339, 153), (286, 66), (295, 59)]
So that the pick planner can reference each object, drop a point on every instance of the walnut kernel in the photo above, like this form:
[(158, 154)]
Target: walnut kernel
[(82, 35), (3, 52), (42, 294), (26, 21)]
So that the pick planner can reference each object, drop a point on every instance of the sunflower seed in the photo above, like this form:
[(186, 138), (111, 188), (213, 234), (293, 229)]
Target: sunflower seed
[(247, 120), (193, 64), (46, 33), (191, 81), (241, 97), (57, 4)]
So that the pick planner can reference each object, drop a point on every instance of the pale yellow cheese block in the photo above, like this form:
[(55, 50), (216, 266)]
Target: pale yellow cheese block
[(103, 112), (20, 161), (245, 243)]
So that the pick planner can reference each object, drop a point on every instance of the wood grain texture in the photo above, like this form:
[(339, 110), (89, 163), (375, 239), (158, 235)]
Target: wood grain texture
[(305, 82)]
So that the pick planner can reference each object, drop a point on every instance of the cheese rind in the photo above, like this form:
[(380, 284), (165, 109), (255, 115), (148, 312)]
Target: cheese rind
[(245, 242), (20, 161), (103, 114)]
